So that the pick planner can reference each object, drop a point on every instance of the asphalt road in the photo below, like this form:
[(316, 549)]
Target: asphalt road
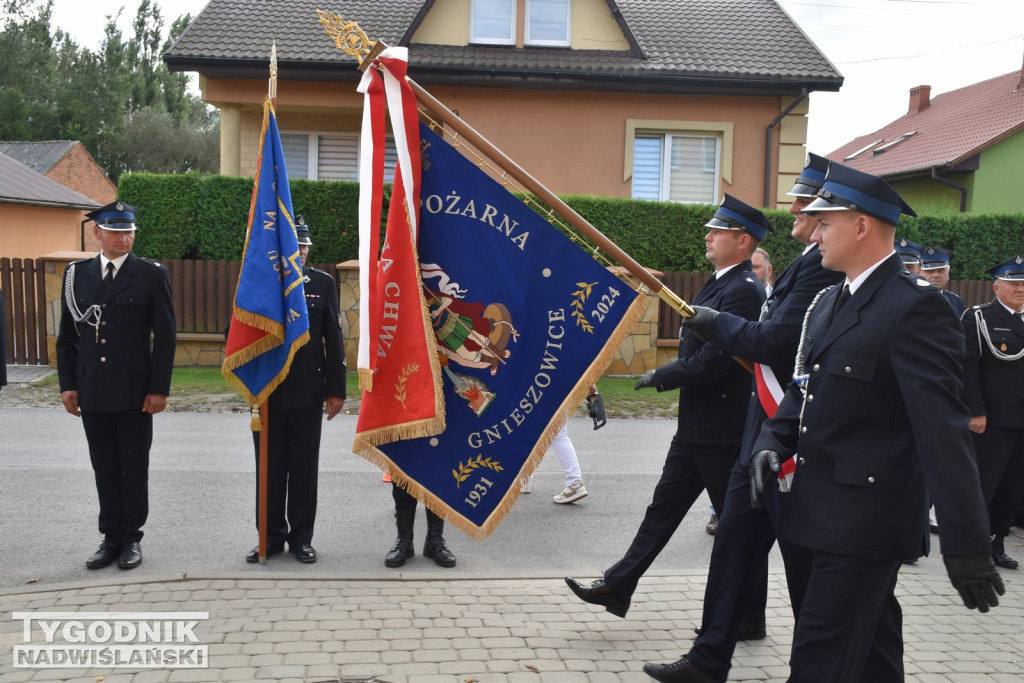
[(202, 494)]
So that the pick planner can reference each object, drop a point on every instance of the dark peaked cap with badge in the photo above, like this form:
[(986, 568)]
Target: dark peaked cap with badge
[(910, 252), (302, 231), (733, 214), (846, 188), (114, 216), (811, 178), (1011, 270), (934, 258)]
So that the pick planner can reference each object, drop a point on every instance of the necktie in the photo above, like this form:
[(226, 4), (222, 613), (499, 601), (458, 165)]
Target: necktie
[(108, 279), (842, 299)]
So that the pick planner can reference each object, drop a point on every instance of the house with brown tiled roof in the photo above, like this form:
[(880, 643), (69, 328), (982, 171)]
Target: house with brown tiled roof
[(958, 151), (676, 100), (38, 215), (69, 163)]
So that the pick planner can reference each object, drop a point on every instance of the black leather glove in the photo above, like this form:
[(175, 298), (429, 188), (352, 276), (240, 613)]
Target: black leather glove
[(976, 578), (702, 324), (595, 408), (762, 464), (646, 381)]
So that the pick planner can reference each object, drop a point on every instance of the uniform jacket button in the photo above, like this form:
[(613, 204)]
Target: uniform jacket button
[(802, 461), (816, 367), (810, 398), (803, 430), (871, 480), (103, 359), (847, 369)]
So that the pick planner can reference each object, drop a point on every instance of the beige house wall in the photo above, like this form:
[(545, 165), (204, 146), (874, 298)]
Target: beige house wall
[(32, 231), (587, 157)]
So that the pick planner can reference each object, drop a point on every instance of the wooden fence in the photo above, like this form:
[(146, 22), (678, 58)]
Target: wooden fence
[(24, 292), (202, 292)]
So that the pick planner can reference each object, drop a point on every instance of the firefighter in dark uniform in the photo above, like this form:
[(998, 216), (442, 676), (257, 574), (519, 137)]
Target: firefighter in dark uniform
[(713, 395), (115, 354), (994, 393), (316, 376), (875, 421), (935, 269), (736, 591)]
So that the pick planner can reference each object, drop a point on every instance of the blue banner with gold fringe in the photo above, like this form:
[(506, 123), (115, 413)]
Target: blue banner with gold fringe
[(524, 320)]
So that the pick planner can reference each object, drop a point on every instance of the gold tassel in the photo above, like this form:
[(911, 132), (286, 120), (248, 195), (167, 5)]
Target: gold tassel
[(365, 379), (254, 418)]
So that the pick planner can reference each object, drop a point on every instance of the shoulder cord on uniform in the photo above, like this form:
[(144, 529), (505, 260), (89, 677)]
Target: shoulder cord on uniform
[(92, 315), (983, 332), (800, 377)]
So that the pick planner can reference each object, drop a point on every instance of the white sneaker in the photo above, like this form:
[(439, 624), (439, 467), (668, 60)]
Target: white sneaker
[(570, 494), (524, 486)]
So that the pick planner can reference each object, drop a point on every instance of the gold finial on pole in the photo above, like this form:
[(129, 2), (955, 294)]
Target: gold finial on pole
[(349, 37), (272, 87)]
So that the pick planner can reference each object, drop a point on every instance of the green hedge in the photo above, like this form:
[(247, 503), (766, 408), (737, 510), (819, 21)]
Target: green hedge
[(203, 217)]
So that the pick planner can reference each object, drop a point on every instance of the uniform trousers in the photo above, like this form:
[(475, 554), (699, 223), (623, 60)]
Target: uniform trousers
[(689, 469), (1000, 455), (737, 588), (119, 443), (293, 463), (850, 627)]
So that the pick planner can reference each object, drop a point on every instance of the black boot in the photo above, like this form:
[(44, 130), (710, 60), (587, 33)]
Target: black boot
[(435, 547), (402, 550)]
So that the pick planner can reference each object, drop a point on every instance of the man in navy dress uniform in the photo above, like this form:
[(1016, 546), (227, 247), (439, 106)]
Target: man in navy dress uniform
[(297, 406), (875, 420), (713, 394), (736, 592), (994, 393), (935, 269), (115, 354)]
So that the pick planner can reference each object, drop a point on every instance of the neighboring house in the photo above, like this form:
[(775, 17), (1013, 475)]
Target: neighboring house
[(654, 99), (69, 163), (960, 151), (38, 215)]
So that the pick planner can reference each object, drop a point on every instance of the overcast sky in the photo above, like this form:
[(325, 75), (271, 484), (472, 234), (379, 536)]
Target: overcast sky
[(882, 47)]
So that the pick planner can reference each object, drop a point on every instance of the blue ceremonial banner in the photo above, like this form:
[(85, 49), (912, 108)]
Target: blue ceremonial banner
[(269, 321), (524, 319)]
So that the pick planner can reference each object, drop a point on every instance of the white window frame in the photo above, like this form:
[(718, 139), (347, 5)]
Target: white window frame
[(549, 43), (313, 150), (721, 130), (488, 40)]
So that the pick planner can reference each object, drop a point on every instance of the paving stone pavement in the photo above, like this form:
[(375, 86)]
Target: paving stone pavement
[(483, 630)]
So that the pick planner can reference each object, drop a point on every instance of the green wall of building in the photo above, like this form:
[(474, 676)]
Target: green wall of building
[(996, 187)]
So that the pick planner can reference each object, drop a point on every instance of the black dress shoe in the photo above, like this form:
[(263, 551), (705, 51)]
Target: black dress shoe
[(1005, 561), (676, 672), (254, 554), (600, 593), (304, 553), (131, 556), (107, 553)]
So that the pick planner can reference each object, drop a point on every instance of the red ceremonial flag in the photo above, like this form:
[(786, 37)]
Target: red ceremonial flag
[(398, 367)]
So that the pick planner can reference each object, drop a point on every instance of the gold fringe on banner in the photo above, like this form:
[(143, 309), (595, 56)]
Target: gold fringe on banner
[(365, 379)]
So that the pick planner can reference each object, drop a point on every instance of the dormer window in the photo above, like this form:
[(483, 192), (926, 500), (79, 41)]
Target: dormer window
[(547, 22), (497, 22), (493, 22)]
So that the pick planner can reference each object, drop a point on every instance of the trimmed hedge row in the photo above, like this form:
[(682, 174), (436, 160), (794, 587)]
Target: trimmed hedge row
[(194, 216)]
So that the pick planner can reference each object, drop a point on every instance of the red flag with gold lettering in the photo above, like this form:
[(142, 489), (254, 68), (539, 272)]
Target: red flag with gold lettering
[(398, 367)]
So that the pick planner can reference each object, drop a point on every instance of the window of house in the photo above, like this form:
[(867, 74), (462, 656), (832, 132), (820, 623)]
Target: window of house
[(330, 156), (547, 22), (676, 167), (492, 22)]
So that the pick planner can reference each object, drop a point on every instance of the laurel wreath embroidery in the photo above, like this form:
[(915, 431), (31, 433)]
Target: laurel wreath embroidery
[(462, 474), (579, 297), (408, 370)]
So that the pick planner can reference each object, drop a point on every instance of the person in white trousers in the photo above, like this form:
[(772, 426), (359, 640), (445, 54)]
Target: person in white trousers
[(574, 489)]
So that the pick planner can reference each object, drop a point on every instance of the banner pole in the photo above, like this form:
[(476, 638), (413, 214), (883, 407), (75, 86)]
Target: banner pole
[(551, 199), (262, 484)]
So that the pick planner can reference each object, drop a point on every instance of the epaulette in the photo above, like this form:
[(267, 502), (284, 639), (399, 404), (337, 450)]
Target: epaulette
[(151, 262), (915, 280), (980, 306), (322, 272)]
